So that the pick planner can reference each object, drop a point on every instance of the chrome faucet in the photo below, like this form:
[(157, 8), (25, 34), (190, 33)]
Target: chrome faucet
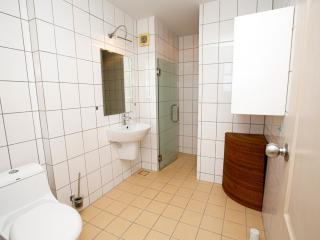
[(125, 119)]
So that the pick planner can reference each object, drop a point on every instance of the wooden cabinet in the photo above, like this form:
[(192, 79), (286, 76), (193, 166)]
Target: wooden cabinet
[(244, 168), (261, 62)]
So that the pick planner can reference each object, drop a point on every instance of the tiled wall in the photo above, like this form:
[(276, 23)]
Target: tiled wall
[(50, 86), (188, 93), (163, 44), (20, 132), (67, 53), (215, 79)]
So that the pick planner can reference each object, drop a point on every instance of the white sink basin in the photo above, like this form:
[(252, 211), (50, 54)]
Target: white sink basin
[(133, 132)]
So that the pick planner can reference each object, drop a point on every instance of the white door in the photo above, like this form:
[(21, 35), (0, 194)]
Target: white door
[(292, 194)]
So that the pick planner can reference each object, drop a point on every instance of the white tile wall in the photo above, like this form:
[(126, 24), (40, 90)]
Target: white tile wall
[(215, 80), (188, 93), (50, 60), (163, 44), (20, 141)]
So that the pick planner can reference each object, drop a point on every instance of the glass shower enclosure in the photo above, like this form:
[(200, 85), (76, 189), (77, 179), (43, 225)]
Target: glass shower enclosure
[(167, 112)]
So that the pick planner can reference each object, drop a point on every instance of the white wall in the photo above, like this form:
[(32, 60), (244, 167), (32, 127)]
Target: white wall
[(20, 132), (215, 79), (188, 93), (68, 47), (65, 45), (163, 44)]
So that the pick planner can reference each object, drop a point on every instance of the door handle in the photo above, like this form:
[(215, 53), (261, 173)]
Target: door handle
[(273, 150), (172, 106)]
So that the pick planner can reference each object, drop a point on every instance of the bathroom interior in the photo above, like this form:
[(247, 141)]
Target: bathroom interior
[(158, 120)]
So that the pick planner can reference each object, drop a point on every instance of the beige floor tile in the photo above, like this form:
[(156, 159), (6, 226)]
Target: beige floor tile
[(157, 185), (156, 207), (215, 211), (234, 230), (253, 212), (143, 182), (173, 212), (190, 185), (136, 190), (131, 213), (206, 235), (118, 226), (217, 200), (149, 193), (102, 220), (185, 232), (176, 182), (141, 202), (127, 198), (135, 232), (196, 206), (165, 225), (184, 192), (235, 216), (218, 190), (102, 203), (89, 232), (234, 205), (200, 196), (179, 201), (105, 236), (125, 186), (163, 197), (170, 189), (114, 193), (89, 213), (153, 235), (192, 218), (212, 224), (116, 207), (204, 187), (254, 221), (147, 219), (174, 204)]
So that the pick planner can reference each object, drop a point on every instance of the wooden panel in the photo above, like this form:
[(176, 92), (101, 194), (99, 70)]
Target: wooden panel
[(244, 168)]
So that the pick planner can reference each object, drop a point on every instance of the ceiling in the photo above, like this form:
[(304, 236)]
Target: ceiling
[(181, 16)]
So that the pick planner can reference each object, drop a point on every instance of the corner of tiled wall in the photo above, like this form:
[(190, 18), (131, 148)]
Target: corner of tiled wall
[(52, 117), (215, 84), (188, 93)]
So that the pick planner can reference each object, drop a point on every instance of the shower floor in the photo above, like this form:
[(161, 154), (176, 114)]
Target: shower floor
[(170, 204)]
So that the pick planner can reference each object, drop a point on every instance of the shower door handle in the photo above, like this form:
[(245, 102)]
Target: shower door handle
[(172, 107)]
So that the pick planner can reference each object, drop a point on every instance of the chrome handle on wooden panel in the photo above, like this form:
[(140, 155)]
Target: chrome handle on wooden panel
[(273, 150), (172, 107)]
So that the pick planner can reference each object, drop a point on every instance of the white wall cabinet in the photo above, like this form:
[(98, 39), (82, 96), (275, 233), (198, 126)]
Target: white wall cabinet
[(262, 46)]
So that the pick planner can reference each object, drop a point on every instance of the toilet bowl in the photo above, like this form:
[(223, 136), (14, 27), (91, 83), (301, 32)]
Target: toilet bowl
[(29, 211)]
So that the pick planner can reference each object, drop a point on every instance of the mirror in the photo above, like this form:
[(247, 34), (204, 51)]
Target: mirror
[(116, 82)]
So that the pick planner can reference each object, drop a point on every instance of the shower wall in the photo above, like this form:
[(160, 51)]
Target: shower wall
[(188, 93), (163, 44)]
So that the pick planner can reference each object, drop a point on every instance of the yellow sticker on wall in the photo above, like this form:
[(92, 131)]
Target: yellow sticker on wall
[(144, 40)]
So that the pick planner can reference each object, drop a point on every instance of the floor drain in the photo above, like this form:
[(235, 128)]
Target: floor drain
[(143, 173)]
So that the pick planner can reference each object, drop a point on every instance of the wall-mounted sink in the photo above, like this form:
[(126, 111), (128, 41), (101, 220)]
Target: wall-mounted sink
[(126, 138), (127, 133)]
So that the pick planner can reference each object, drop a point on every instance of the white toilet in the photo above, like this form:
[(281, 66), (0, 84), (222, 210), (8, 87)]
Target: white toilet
[(29, 211)]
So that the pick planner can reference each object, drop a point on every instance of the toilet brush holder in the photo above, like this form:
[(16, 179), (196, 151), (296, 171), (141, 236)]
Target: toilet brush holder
[(77, 201)]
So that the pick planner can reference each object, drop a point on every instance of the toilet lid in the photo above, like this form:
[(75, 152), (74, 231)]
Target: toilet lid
[(49, 221)]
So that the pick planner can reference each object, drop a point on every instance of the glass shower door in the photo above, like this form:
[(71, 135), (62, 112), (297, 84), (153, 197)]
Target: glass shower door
[(168, 112)]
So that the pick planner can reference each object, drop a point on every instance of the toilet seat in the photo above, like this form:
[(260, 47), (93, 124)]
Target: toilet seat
[(48, 221)]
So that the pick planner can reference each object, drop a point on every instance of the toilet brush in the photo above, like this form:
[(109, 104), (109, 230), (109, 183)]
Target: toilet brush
[(77, 201)]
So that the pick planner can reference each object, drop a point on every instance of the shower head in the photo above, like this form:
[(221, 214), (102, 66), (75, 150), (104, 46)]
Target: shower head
[(111, 35)]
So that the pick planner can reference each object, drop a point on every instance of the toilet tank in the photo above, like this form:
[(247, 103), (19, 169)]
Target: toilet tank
[(22, 186)]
